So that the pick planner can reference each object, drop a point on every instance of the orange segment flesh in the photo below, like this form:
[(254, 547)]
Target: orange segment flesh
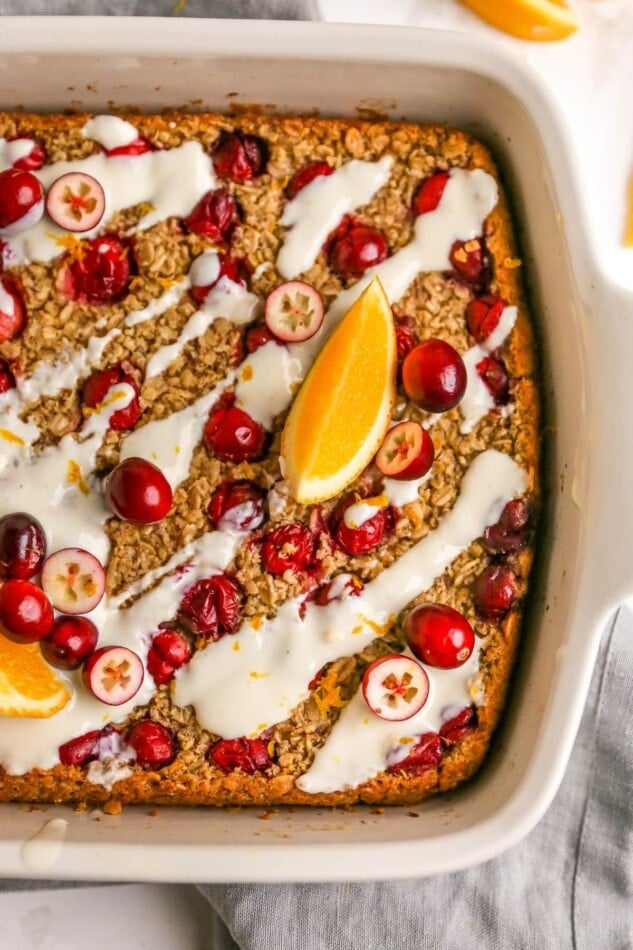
[(343, 408), (28, 685), (539, 20)]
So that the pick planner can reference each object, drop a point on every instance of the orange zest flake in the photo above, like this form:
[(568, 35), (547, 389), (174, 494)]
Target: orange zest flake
[(116, 395), (258, 731), (271, 748), (512, 262), (246, 374), (380, 629), (258, 676), (11, 437), (236, 646), (74, 476), (327, 694), (255, 622), (75, 247)]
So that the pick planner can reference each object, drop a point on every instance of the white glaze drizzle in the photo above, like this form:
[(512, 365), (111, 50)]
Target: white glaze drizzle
[(477, 401), (11, 152), (158, 306), (110, 131), (267, 381)]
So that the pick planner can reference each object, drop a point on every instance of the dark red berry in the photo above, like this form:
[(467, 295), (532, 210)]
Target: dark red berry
[(80, 750), (495, 591), (306, 175), (406, 339), (460, 725), (439, 635), (260, 336), (429, 194), (427, 753), (233, 268), (483, 315), (334, 590), (290, 547), (367, 536), (26, 614), (35, 158), (434, 375), (237, 506), (153, 743), (468, 261), (20, 192), (7, 379), (158, 668), (249, 755), (100, 274), (215, 216), (358, 247), (239, 157), (70, 642), (136, 147), (212, 607), (173, 646), (12, 317), (22, 545), (95, 391), (137, 491), (510, 534), (233, 436), (495, 376)]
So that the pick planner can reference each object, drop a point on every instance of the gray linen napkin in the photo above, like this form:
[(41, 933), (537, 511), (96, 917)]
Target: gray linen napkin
[(231, 9)]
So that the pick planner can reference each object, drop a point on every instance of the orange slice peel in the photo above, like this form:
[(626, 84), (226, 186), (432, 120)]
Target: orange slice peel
[(28, 685), (536, 20)]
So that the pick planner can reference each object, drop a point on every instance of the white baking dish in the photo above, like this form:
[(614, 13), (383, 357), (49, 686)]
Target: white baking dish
[(586, 327)]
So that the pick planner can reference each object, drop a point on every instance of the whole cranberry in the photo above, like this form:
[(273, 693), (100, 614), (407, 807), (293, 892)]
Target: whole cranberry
[(12, 315), (434, 376), (249, 755), (307, 174), (212, 607), (70, 642), (439, 635), (495, 376), (289, 547), (26, 614), (215, 216), (495, 591), (169, 650), (483, 315), (358, 247), (34, 159), (460, 725), (100, 274), (468, 260), (80, 750), (258, 336), (153, 743), (239, 157), (233, 268), (427, 753), (20, 193), (7, 379), (510, 534), (237, 506), (429, 194), (368, 536), (22, 546), (95, 391), (233, 436), (137, 491)]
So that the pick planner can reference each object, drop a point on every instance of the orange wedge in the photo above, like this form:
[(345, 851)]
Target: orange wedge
[(540, 20), (28, 685), (341, 413)]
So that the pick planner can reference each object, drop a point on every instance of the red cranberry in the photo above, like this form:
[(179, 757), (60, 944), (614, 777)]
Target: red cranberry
[(439, 635), (434, 375), (495, 591), (154, 744), (215, 216), (306, 175), (239, 157), (12, 317), (483, 315), (7, 379), (510, 534), (365, 538), (22, 546), (95, 391), (290, 547), (249, 755), (468, 261), (460, 725), (358, 247), (212, 607), (427, 753), (234, 268), (136, 147), (233, 436), (101, 274), (137, 491), (333, 590), (80, 750), (405, 341), (495, 376), (20, 192), (429, 194), (26, 614), (260, 336), (169, 651), (35, 158), (70, 642), (237, 506)]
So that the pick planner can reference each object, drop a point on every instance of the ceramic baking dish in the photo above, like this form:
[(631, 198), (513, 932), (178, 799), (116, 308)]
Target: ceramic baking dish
[(586, 331)]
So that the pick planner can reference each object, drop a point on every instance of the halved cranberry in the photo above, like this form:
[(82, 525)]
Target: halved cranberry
[(215, 216), (12, 316), (26, 613), (368, 536), (76, 202), (21, 200), (95, 391), (169, 651), (249, 755), (434, 375), (460, 725), (137, 491), (100, 274), (239, 157), (495, 591), (153, 743), (22, 545), (70, 642), (258, 336), (113, 674), (7, 379), (429, 194), (307, 174), (136, 147), (80, 750), (439, 635), (395, 687), (469, 262), (357, 248), (406, 339), (35, 158), (407, 451), (510, 533), (212, 607), (495, 376), (237, 506), (483, 315), (290, 547), (232, 435), (427, 753)]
